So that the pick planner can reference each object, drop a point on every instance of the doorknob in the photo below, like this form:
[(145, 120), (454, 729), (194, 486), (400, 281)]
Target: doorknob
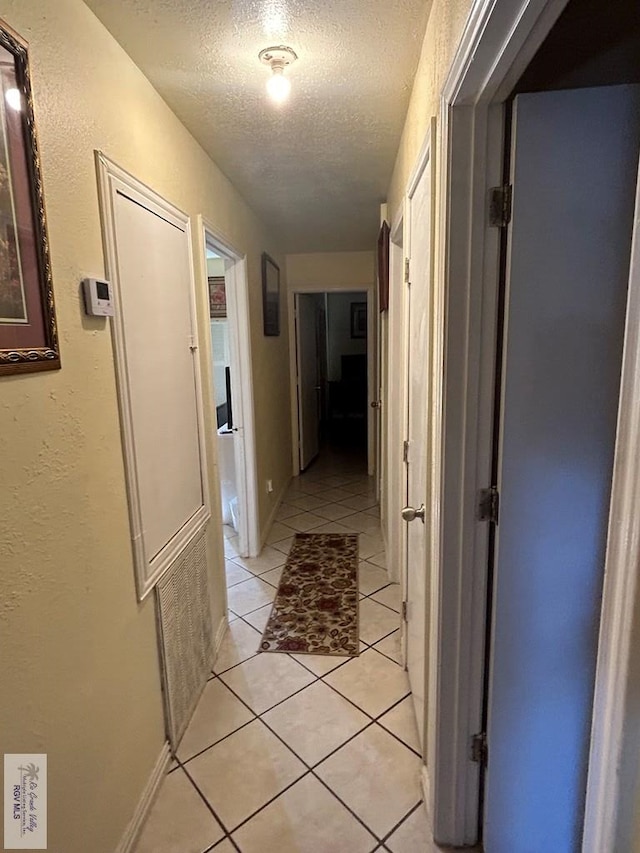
[(376, 404), (410, 514)]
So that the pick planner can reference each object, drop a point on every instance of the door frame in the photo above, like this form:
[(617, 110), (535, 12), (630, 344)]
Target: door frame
[(296, 346), (498, 42), (240, 344), (371, 378), (395, 406)]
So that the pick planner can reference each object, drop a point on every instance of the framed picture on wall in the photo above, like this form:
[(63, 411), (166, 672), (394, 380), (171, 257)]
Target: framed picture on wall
[(217, 297), (383, 266), (270, 295), (28, 333), (358, 319)]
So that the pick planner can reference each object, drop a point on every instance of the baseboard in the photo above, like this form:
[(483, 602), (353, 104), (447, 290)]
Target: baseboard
[(222, 630), (425, 784), (130, 837), (273, 513)]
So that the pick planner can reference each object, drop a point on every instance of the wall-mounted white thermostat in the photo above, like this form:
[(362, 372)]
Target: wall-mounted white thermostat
[(98, 299)]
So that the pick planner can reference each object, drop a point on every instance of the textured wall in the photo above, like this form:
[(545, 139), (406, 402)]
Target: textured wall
[(78, 660), (444, 29), (346, 270)]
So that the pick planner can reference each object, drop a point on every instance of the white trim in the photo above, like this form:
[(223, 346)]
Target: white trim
[(220, 635), (147, 570), (238, 301), (498, 41), (425, 784), (393, 409), (331, 287), (274, 511), (145, 803), (620, 587)]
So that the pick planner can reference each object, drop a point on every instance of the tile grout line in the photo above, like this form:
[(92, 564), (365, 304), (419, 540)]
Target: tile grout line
[(372, 720), (309, 770)]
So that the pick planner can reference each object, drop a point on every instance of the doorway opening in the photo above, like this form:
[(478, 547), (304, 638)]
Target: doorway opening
[(232, 394), (331, 375), (468, 406)]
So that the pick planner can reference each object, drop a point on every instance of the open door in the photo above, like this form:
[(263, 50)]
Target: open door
[(574, 161), (308, 314)]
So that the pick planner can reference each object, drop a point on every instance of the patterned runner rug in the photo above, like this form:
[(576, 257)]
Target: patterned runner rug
[(316, 607)]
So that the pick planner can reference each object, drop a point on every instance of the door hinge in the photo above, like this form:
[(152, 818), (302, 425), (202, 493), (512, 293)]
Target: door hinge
[(405, 451), (404, 611), (406, 271), (500, 206), (488, 506), (479, 749)]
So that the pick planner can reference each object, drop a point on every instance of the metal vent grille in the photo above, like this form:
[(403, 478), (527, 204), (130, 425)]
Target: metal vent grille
[(186, 635)]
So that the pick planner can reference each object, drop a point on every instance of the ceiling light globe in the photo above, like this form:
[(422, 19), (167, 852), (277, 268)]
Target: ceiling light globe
[(278, 87)]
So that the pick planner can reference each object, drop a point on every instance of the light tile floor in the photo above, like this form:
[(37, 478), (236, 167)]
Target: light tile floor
[(300, 753)]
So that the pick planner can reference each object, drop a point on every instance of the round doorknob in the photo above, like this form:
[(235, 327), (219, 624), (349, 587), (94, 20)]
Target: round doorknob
[(410, 514), (376, 404)]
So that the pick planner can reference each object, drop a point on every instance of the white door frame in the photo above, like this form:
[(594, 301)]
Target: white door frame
[(497, 44), (395, 406), (240, 344), (371, 391)]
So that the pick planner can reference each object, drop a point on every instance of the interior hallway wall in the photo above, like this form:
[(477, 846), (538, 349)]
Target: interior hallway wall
[(79, 661)]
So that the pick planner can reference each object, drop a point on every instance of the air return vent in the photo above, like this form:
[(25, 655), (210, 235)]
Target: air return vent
[(186, 641)]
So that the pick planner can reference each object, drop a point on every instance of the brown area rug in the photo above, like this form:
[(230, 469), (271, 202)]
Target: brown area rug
[(316, 607)]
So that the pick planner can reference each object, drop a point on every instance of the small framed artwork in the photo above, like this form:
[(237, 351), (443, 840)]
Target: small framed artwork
[(270, 295), (217, 297), (383, 266), (28, 334), (358, 319)]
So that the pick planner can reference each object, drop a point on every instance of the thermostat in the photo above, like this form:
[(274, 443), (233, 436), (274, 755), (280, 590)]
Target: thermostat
[(98, 300)]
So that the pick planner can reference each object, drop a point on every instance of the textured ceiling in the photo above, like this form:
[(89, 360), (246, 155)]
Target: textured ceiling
[(318, 167)]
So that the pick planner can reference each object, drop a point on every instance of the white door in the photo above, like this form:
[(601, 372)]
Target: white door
[(309, 387), (420, 221), (574, 167)]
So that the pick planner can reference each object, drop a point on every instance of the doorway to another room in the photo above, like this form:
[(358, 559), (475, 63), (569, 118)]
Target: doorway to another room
[(331, 376), (232, 395)]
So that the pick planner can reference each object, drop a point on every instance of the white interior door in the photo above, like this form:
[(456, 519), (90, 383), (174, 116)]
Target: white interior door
[(309, 387), (574, 169), (420, 222)]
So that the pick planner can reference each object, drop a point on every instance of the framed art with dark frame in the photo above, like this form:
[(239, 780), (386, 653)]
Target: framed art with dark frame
[(358, 319), (383, 266), (28, 334), (270, 296)]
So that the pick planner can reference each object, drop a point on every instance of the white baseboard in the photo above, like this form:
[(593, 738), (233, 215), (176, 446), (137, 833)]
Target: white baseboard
[(274, 512), (131, 833), (425, 784), (222, 630)]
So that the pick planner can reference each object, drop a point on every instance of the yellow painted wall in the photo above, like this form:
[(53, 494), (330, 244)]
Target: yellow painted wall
[(346, 270), (78, 659), (444, 28)]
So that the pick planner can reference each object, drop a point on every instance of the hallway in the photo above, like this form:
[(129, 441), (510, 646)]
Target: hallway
[(276, 754)]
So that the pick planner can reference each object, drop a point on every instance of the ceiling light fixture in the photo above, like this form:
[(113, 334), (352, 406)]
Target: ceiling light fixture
[(278, 58)]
